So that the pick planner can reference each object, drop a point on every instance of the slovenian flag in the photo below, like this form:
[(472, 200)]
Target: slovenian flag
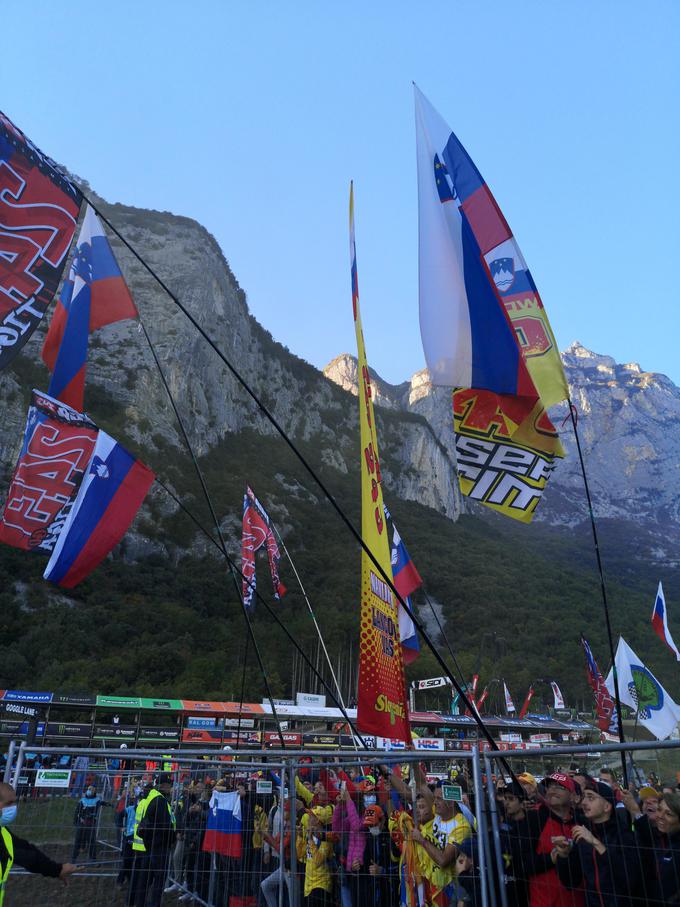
[(94, 295), (406, 581), (224, 826), (111, 493), (660, 622)]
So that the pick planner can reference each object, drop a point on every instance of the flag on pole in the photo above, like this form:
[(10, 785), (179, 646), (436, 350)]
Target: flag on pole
[(482, 699), (509, 704), (660, 622), (484, 329), (39, 209), (56, 450), (558, 699), (406, 581), (640, 690), (382, 705), (525, 704), (94, 295), (258, 531), (111, 493), (605, 707)]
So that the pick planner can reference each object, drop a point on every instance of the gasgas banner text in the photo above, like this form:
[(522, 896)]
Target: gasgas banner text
[(58, 445), (39, 209), (381, 707)]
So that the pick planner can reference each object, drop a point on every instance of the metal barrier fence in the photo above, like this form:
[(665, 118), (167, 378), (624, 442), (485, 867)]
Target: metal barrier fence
[(282, 828)]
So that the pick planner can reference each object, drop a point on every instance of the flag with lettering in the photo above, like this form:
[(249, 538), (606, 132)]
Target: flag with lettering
[(605, 707), (95, 294), (111, 493), (509, 704), (57, 448), (257, 531), (558, 698), (660, 622), (39, 209), (485, 332), (381, 703)]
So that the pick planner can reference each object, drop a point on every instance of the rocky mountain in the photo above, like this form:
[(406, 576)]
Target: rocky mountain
[(629, 426), (478, 571)]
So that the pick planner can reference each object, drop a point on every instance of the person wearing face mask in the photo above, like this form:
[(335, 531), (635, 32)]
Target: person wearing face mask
[(85, 820), (374, 883), (17, 850)]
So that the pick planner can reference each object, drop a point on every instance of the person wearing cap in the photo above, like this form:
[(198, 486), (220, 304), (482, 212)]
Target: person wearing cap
[(468, 883), (373, 884), (316, 851), (601, 856), (514, 808), (16, 850), (530, 785), (552, 818), (86, 820)]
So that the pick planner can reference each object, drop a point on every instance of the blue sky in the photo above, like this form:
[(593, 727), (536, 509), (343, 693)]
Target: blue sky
[(253, 117)]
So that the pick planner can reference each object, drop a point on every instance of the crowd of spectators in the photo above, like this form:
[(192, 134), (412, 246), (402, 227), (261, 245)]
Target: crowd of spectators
[(380, 837)]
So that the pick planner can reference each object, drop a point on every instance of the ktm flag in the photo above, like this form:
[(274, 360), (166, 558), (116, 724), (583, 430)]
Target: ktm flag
[(381, 705), (483, 325)]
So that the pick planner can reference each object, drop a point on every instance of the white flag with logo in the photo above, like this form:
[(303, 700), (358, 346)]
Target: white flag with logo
[(509, 704), (641, 691), (558, 699)]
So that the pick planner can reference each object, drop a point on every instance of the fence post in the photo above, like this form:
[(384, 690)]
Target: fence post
[(10, 760), (294, 894), (487, 897), (497, 847), (19, 765), (282, 824)]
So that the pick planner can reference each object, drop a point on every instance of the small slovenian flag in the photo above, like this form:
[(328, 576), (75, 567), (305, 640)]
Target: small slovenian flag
[(111, 493), (224, 826), (94, 295), (406, 581), (660, 622)]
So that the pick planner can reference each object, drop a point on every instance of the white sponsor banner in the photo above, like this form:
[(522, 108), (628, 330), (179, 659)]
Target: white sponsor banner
[(52, 777)]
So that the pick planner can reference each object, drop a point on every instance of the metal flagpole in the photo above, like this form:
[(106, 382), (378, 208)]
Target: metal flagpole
[(313, 615), (603, 589)]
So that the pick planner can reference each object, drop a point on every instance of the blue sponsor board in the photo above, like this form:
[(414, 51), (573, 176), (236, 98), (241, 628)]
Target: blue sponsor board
[(23, 696), (200, 722)]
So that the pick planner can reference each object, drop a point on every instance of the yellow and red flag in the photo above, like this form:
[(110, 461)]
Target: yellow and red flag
[(381, 706)]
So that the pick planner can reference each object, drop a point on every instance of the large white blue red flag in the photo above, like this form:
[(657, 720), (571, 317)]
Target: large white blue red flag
[(406, 581), (660, 622), (485, 332), (94, 295), (224, 825), (111, 493)]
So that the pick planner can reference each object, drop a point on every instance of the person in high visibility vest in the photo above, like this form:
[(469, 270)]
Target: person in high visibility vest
[(153, 837), (16, 850)]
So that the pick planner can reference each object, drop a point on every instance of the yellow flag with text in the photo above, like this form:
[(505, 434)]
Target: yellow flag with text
[(381, 705)]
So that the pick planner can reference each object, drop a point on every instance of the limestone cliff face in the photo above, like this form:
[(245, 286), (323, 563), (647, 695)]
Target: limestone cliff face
[(125, 395), (629, 425)]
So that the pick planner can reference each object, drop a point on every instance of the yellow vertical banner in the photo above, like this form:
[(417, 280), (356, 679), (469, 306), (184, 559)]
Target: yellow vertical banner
[(381, 700)]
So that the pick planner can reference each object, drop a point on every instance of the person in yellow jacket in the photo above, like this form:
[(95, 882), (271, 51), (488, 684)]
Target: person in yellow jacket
[(16, 850), (316, 852), (439, 839), (316, 799)]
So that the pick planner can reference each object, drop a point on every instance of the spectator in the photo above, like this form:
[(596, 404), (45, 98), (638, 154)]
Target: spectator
[(373, 885), (666, 887), (17, 850), (649, 802), (347, 824), (316, 851), (271, 884), (601, 854), (156, 829), (127, 852), (86, 821), (530, 785), (554, 818), (468, 883)]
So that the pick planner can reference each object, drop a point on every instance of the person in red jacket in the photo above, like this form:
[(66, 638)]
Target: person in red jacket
[(553, 819)]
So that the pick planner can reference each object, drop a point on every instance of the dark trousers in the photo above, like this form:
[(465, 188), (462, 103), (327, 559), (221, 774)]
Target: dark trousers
[(128, 857), (148, 879), (86, 838), (317, 897)]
